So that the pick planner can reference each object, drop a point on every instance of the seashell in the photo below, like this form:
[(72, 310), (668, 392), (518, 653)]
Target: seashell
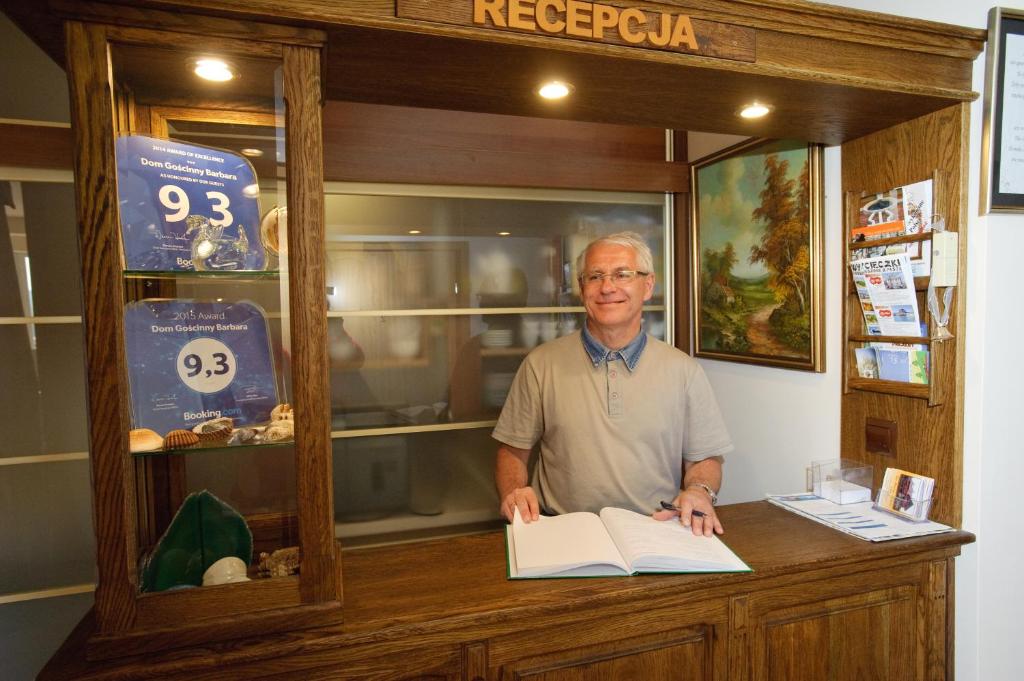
[(282, 412), (214, 430), (180, 439), (242, 436), (280, 563), (278, 431), (144, 440)]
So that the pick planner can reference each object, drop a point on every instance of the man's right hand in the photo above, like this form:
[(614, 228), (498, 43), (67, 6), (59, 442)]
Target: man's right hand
[(525, 500)]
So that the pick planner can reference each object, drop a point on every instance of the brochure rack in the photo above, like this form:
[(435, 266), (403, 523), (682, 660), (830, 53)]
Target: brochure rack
[(941, 374)]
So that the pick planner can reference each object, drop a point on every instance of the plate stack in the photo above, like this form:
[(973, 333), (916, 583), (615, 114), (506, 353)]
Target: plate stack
[(496, 338)]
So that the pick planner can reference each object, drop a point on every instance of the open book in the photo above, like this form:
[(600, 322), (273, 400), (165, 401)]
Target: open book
[(615, 543)]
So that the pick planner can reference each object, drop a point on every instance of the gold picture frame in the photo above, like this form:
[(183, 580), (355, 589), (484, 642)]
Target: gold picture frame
[(757, 254)]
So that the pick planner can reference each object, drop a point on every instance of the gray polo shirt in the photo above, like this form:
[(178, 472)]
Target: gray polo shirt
[(613, 431)]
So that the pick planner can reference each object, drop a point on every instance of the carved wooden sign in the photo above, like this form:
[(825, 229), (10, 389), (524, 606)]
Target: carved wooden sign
[(592, 21)]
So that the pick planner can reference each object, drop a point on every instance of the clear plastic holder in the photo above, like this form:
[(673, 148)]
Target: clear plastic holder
[(904, 505), (842, 481)]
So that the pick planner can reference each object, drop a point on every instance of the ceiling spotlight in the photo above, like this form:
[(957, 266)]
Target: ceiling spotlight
[(213, 69), (415, 231), (755, 110), (504, 233), (555, 89), (251, 152)]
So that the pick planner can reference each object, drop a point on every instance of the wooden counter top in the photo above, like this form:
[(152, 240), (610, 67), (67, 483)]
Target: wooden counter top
[(444, 588)]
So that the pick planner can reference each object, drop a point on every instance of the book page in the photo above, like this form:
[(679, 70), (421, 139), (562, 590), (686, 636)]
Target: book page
[(570, 545), (650, 545)]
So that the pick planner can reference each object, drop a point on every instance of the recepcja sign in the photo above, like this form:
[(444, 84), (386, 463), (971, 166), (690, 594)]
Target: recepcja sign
[(593, 22)]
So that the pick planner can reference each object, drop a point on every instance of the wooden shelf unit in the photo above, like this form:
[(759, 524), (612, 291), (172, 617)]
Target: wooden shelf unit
[(937, 390)]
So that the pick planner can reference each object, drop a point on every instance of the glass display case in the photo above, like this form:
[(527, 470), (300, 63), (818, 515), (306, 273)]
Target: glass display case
[(203, 431), (435, 295)]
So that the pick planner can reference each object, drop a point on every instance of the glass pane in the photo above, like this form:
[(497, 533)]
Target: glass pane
[(33, 630), (206, 319), (41, 359), (47, 526), (414, 485), (434, 300)]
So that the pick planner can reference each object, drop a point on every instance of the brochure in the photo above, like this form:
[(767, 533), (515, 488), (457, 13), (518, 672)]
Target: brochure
[(899, 212), (862, 520), (885, 287), (906, 494)]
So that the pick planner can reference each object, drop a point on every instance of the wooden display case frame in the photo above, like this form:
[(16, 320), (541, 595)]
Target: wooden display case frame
[(127, 621)]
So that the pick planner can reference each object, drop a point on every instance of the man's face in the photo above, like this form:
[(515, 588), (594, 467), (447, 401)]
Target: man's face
[(609, 305)]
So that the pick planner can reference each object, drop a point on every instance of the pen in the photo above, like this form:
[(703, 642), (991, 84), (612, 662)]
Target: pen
[(671, 507)]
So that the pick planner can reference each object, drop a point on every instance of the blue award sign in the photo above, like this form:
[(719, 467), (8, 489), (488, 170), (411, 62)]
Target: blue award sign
[(191, 361), (187, 207)]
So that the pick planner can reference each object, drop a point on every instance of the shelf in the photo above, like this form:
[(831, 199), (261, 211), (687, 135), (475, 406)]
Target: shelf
[(412, 429), (904, 340), (383, 363), (890, 241), (918, 390), (216, 448), (190, 275), (471, 311), (505, 352)]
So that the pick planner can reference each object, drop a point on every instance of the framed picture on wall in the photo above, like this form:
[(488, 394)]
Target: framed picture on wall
[(757, 252), (1002, 184)]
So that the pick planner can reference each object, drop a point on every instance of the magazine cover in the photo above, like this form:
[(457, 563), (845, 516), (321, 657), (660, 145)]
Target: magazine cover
[(885, 287), (899, 212)]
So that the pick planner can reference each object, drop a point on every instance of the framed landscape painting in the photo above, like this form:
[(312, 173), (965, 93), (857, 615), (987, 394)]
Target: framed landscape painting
[(757, 255)]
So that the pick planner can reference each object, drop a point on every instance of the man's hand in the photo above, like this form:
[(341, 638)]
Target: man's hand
[(525, 500), (694, 510)]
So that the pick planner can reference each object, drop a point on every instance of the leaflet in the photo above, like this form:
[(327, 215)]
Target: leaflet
[(885, 286)]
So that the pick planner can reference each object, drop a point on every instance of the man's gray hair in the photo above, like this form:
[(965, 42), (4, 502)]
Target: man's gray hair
[(644, 257)]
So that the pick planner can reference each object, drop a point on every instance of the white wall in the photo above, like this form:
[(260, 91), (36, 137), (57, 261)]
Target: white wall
[(782, 419)]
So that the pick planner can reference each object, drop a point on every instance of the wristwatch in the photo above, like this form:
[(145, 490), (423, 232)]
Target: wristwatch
[(706, 488)]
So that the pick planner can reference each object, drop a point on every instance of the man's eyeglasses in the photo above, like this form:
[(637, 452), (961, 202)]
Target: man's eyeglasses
[(618, 277)]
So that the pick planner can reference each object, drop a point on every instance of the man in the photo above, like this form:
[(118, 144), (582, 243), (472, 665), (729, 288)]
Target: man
[(622, 418)]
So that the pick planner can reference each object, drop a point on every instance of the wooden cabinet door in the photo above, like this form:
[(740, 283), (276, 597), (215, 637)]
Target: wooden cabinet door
[(867, 636), (855, 628), (672, 653)]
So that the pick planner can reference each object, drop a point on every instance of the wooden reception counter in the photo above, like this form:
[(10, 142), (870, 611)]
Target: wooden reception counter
[(819, 605)]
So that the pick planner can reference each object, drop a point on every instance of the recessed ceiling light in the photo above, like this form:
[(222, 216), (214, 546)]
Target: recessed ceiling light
[(504, 233), (755, 110), (415, 231), (251, 153), (213, 69), (555, 89)]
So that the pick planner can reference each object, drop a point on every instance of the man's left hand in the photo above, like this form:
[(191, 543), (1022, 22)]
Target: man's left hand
[(695, 511)]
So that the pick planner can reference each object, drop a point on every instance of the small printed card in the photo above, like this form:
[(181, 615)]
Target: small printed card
[(906, 494)]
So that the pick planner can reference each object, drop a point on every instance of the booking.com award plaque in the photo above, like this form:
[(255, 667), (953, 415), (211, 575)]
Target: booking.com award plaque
[(187, 207), (191, 361)]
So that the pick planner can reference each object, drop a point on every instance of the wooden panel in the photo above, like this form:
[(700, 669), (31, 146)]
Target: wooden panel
[(863, 636), (36, 146), (321, 567), (612, 86), (709, 38), (131, 14), (436, 596), (371, 143), (931, 438), (103, 313), (677, 654)]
